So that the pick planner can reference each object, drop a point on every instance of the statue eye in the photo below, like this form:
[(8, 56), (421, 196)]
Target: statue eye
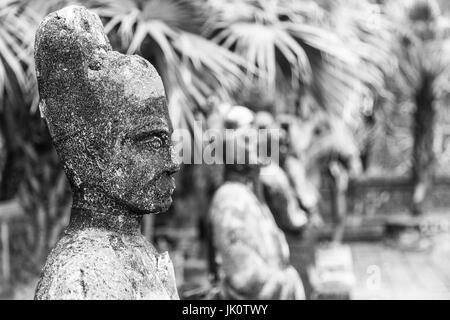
[(155, 142)]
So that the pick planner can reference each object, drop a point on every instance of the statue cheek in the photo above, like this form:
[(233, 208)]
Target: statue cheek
[(133, 171), (116, 171), (142, 170), (167, 156)]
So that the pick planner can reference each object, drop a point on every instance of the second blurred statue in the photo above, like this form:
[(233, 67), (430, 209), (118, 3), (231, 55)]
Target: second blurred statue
[(252, 252), (278, 188)]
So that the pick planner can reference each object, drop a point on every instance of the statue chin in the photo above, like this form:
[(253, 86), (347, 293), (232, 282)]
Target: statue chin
[(165, 205), (155, 208)]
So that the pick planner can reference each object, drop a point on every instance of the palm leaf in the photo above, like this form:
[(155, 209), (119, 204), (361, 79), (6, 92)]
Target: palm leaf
[(422, 47), (15, 49), (188, 63), (292, 39)]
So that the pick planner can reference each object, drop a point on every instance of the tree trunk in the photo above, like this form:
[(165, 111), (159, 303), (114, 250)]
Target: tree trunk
[(366, 150), (423, 160), (339, 186)]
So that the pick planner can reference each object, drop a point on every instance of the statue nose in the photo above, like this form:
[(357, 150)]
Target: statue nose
[(175, 163), (174, 168)]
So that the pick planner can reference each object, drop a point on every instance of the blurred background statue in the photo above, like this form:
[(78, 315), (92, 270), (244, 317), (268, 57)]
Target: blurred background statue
[(108, 119), (324, 153), (252, 252), (326, 148)]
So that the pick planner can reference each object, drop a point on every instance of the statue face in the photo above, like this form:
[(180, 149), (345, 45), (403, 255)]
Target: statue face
[(243, 140), (106, 113), (135, 158), (138, 168)]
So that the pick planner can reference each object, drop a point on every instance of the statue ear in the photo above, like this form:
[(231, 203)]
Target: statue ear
[(81, 164), (94, 155)]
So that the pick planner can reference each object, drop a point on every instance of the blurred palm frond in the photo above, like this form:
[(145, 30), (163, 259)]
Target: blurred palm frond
[(168, 34), (331, 49), (422, 47), (15, 49)]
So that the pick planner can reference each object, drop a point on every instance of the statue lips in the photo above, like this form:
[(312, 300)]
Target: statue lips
[(166, 187)]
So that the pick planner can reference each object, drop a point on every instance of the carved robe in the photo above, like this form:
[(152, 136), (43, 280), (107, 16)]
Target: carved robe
[(252, 252)]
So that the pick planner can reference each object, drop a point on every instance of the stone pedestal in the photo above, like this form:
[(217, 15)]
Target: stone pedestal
[(332, 276)]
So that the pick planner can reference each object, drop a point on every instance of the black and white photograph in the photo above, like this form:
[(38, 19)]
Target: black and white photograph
[(240, 150)]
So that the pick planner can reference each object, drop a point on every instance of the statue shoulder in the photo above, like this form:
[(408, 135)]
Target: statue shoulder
[(232, 198), (232, 191), (234, 210), (97, 264), (82, 266)]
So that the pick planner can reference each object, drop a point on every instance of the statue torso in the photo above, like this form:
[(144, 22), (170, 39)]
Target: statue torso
[(94, 263), (236, 203)]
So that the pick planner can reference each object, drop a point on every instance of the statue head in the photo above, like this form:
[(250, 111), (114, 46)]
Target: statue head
[(241, 142), (106, 113)]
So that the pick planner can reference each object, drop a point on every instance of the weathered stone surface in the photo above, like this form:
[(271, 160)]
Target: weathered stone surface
[(108, 118)]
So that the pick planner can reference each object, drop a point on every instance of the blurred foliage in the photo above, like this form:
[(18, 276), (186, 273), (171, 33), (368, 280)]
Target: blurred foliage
[(422, 80)]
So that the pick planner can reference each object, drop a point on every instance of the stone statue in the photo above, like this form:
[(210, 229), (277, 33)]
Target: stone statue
[(252, 252), (278, 190), (107, 116), (327, 148)]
